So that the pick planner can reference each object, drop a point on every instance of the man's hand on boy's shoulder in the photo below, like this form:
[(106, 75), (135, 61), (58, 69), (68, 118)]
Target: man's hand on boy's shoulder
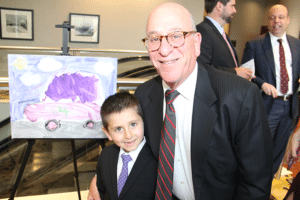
[(93, 193)]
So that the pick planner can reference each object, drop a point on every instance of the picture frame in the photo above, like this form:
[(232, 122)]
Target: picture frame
[(16, 24), (86, 28)]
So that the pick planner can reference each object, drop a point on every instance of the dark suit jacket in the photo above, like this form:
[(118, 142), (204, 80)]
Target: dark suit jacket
[(140, 183), (214, 49), (231, 144), (260, 49)]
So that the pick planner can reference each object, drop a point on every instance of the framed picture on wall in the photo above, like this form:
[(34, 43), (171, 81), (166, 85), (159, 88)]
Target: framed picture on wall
[(86, 28), (16, 24)]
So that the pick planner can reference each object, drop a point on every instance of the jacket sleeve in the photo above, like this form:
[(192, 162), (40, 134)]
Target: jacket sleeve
[(253, 149), (249, 53), (207, 48)]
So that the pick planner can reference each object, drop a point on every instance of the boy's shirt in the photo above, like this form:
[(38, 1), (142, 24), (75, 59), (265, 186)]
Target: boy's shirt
[(133, 154)]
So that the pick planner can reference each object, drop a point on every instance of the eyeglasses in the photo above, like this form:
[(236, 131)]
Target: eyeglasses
[(175, 39)]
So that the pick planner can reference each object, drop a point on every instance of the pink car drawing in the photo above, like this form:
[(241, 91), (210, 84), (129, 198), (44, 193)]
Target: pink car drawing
[(52, 113), (68, 87)]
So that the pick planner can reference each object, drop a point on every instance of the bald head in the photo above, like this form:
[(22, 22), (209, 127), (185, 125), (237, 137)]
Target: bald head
[(278, 20), (168, 11), (278, 7)]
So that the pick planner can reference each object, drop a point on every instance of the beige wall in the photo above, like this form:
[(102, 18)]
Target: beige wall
[(122, 22)]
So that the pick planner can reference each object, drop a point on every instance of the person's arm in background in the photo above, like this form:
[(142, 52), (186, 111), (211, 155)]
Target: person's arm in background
[(292, 147), (93, 192)]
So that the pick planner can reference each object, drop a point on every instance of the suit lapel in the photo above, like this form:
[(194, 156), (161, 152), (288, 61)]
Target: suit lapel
[(295, 54), (267, 46), (113, 161), (204, 118), (223, 40), (154, 110), (139, 165)]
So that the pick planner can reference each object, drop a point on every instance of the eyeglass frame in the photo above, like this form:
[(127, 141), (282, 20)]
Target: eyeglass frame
[(166, 36)]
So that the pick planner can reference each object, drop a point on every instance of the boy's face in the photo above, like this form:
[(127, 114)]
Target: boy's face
[(126, 129)]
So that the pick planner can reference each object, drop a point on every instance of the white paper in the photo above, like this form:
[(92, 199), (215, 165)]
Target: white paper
[(250, 65)]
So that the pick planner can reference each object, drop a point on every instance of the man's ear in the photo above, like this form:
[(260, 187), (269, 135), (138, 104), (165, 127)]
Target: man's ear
[(198, 39), (219, 6), (107, 133)]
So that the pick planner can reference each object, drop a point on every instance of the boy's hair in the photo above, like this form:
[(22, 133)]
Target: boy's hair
[(211, 4), (117, 103)]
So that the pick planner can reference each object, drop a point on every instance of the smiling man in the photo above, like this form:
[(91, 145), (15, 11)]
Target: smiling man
[(223, 145), (206, 128), (216, 48), (277, 65)]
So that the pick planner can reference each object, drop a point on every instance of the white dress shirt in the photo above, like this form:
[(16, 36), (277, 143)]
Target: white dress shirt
[(182, 181), (133, 154), (288, 62)]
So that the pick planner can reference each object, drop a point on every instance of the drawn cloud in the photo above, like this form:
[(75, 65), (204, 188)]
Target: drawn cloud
[(49, 64), (30, 79)]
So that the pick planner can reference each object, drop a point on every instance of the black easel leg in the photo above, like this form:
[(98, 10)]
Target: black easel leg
[(75, 167), (25, 159)]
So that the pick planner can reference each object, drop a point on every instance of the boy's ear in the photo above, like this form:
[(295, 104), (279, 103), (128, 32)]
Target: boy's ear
[(107, 133)]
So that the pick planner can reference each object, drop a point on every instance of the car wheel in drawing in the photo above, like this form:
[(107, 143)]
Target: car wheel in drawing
[(90, 124), (52, 125)]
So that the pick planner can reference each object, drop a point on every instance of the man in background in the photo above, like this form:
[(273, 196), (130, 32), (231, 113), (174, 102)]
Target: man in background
[(277, 59), (216, 48)]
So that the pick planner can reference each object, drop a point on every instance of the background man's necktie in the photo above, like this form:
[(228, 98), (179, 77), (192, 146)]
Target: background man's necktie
[(230, 48), (284, 77), (124, 173), (167, 150)]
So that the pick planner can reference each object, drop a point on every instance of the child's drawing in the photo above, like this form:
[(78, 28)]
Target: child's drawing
[(59, 96)]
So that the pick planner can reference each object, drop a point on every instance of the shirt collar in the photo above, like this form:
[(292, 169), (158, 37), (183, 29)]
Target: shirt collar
[(274, 38), (217, 25), (134, 154), (187, 88)]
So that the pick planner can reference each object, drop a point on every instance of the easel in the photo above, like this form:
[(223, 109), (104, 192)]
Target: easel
[(25, 159), (65, 49)]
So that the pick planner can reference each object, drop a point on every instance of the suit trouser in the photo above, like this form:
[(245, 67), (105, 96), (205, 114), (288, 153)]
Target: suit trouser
[(281, 125)]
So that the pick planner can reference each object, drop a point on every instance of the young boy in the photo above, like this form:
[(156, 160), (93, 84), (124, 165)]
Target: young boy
[(122, 121)]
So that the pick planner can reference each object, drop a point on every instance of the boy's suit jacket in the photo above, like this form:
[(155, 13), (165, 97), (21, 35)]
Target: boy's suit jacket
[(140, 183), (260, 49), (214, 49), (231, 144)]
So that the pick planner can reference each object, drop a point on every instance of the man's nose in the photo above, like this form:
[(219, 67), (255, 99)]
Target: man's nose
[(165, 48)]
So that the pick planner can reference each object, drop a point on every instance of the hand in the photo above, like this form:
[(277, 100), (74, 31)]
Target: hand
[(293, 145), (93, 193), (244, 72), (269, 90)]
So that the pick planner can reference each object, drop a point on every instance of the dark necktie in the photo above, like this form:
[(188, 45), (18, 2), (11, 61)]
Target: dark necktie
[(284, 77), (167, 150), (124, 173)]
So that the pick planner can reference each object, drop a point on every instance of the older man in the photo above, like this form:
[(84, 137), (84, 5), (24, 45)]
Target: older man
[(211, 139), (277, 63)]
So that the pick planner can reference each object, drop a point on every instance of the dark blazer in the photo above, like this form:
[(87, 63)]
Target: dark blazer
[(214, 49), (140, 183), (260, 49), (231, 144)]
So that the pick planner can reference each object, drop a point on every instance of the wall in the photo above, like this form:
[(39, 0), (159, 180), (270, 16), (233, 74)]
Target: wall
[(122, 22), (246, 22)]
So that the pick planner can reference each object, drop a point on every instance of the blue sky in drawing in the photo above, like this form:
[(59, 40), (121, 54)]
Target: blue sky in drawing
[(30, 76)]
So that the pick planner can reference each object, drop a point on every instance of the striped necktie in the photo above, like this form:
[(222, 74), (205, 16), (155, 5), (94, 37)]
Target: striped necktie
[(167, 150)]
